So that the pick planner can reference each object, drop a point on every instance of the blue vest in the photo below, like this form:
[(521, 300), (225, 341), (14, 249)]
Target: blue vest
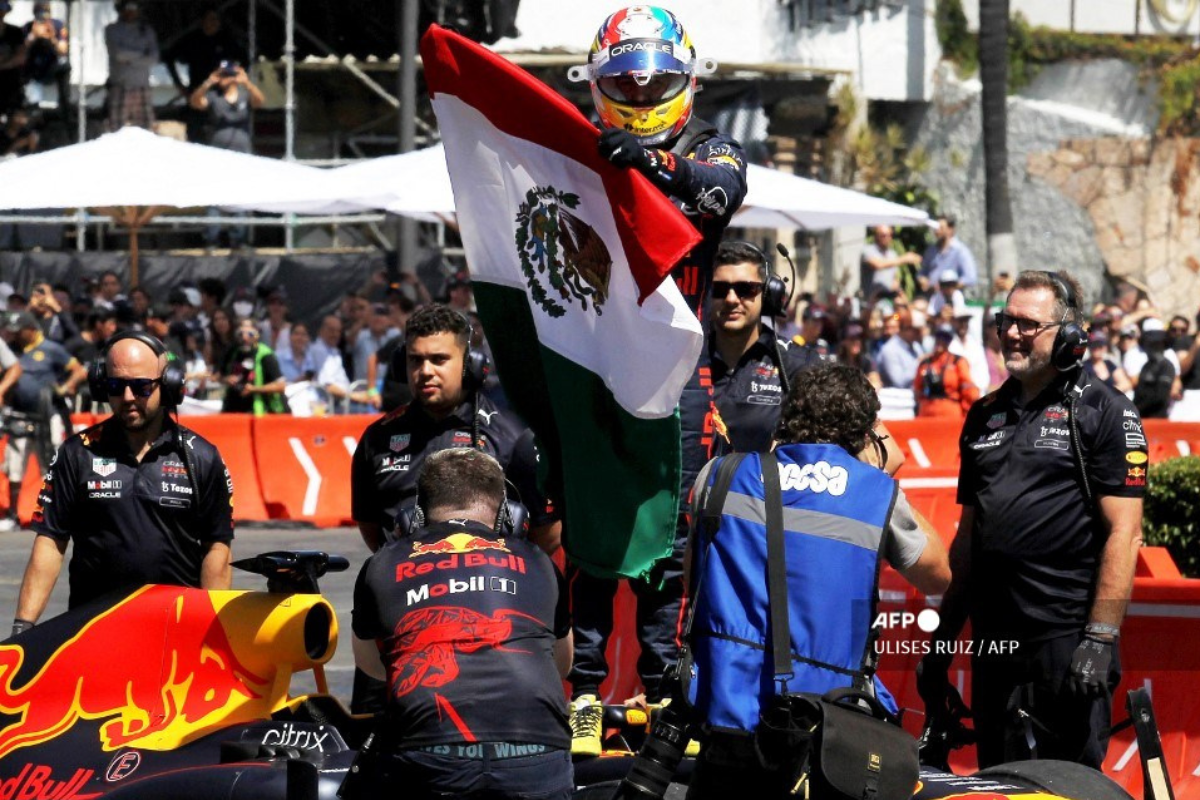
[(836, 510)]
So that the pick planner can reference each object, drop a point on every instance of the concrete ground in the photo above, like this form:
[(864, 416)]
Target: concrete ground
[(338, 588)]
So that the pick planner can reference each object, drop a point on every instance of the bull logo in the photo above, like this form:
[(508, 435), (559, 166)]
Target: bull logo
[(557, 247), (170, 677), (428, 640)]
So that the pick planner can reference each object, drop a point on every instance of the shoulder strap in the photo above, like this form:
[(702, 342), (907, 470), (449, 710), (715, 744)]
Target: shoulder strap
[(714, 503), (710, 521), (696, 131), (781, 635)]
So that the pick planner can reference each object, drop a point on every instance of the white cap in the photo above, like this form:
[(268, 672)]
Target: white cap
[(960, 307), (1152, 324), (6, 289), (948, 275), (192, 294)]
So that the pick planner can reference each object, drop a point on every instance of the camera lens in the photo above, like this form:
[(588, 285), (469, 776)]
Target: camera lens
[(654, 767)]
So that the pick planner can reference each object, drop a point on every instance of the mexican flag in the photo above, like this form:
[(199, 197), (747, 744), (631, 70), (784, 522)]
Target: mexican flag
[(568, 256)]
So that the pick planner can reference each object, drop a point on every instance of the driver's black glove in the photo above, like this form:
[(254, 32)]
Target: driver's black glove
[(20, 626), (623, 149), (1088, 673)]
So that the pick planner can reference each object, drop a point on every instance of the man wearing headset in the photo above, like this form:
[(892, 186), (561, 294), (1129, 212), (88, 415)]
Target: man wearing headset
[(736, 393), (143, 499), (447, 411), (471, 622), (1051, 484)]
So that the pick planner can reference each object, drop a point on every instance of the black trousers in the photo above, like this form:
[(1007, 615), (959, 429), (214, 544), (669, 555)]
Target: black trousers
[(659, 623), (1032, 679)]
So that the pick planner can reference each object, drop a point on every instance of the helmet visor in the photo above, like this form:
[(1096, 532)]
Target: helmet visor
[(643, 89)]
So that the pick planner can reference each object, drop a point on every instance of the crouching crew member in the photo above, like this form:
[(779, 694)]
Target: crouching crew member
[(472, 625)]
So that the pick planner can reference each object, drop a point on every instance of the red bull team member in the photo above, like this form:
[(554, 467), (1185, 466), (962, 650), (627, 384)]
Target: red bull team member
[(143, 499), (473, 630), (642, 68), (736, 393), (1051, 485), (448, 411)]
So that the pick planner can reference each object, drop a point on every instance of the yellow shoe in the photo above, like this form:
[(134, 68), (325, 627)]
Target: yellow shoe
[(587, 725)]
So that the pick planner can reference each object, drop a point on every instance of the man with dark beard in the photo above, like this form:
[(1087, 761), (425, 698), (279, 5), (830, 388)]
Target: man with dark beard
[(1051, 484), (144, 499)]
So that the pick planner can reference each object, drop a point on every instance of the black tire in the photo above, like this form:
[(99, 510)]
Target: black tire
[(1063, 778)]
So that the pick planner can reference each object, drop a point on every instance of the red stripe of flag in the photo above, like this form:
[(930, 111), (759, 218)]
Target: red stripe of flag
[(654, 234)]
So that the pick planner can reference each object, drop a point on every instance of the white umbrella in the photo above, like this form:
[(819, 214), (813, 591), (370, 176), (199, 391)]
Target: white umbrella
[(414, 184), (779, 200), (417, 185), (134, 167)]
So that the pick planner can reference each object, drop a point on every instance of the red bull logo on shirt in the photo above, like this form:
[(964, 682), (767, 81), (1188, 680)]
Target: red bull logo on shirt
[(460, 550)]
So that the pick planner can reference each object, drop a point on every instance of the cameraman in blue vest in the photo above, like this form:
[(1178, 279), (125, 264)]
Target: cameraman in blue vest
[(842, 513)]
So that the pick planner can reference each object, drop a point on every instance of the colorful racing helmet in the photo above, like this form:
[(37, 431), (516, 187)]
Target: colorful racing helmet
[(642, 69)]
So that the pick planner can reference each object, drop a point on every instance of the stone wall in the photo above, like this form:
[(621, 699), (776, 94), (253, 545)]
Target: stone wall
[(1143, 199), (1052, 229)]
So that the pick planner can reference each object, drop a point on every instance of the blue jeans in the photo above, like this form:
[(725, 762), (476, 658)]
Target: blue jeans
[(480, 776)]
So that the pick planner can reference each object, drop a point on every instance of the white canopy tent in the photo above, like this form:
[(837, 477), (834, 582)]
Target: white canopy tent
[(417, 185), (414, 184), (134, 167), (776, 199)]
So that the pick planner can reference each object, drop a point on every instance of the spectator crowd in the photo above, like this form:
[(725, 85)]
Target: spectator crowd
[(242, 351)]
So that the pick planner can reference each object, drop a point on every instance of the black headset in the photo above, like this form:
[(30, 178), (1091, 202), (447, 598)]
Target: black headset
[(512, 518), (775, 294), (171, 384), (476, 364), (171, 381), (1070, 343)]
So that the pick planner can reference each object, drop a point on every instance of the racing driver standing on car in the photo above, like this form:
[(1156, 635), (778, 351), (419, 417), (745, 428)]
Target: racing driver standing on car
[(143, 499), (471, 622), (642, 68)]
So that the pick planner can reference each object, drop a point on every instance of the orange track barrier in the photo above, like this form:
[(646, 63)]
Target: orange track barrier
[(304, 466), (232, 434)]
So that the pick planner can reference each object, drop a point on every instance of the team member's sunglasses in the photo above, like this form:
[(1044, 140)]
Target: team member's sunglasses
[(142, 387), (746, 290)]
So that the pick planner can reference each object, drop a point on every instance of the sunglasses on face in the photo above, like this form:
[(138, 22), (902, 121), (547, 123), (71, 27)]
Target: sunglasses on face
[(1025, 327), (745, 290), (141, 387)]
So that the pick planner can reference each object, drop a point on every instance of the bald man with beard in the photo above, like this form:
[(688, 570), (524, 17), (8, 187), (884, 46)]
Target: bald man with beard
[(144, 499)]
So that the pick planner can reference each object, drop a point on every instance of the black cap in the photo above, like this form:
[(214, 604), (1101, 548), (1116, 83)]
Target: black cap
[(460, 278), (159, 311)]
